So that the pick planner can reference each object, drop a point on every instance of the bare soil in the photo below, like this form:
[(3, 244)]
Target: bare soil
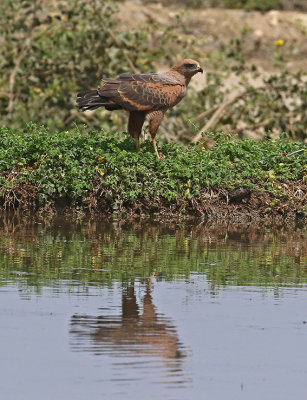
[(214, 27), (214, 205)]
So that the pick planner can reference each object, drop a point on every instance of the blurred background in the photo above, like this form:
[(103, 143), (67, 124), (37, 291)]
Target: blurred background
[(254, 53)]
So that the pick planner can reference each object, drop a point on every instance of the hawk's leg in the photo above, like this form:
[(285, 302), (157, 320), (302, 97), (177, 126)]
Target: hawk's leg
[(154, 145), (155, 119), (137, 142), (136, 121)]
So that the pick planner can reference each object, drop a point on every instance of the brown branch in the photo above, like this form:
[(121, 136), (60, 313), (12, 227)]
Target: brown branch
[(126, 57), (199, 117), (73, 114), (13, 74), (250, 128), (24, 48), (218, 114), (207, 112), (4, 94)]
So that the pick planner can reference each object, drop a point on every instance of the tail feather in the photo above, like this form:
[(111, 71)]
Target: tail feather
[(90, 100)]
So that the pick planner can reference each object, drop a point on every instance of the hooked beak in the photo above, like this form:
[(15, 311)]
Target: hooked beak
[(199, 69)]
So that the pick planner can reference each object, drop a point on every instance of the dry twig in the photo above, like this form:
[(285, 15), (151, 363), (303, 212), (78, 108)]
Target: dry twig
[(198, 118), (13, 74), (295, 152), (127, 58), (22, 53), (250, 128), (218, 114)]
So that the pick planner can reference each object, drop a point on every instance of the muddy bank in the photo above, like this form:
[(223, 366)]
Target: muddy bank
[(234, 205)]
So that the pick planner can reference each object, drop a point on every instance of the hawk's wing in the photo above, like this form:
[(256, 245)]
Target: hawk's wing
[(143, 92)]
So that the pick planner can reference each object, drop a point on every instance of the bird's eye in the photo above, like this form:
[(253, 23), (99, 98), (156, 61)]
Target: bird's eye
[(190, 66)]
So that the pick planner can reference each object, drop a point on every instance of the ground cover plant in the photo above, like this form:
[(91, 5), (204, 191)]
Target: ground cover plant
[(98, 171)]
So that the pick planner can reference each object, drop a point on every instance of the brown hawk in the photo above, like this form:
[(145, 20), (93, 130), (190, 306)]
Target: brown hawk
[(142, 95)]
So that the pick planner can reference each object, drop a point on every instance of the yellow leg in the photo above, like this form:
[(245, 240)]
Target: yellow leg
[(153, 142), (155, 119), (137, 142)]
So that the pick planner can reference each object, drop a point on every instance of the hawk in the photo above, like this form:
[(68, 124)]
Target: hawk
[(142, 95)]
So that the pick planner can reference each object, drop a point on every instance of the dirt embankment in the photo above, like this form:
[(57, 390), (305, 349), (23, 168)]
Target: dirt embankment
[(214, 27), (232, 205)]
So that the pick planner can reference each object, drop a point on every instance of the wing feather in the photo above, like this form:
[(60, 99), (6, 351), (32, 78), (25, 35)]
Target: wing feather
[(143, 92)]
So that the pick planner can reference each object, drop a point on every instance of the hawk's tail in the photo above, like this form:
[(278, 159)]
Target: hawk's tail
[(90, 100)]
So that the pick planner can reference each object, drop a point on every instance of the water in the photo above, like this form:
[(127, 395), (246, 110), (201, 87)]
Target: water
[(100, 310)]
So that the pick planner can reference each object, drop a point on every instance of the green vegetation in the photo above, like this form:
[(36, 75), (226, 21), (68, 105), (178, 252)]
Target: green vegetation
[(49, 52), (83, 253), (262, 5), (99, 171), (252, 4), (52, 50)]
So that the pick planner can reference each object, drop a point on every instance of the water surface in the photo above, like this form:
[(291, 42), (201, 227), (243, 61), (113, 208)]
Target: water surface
[(101, 310)]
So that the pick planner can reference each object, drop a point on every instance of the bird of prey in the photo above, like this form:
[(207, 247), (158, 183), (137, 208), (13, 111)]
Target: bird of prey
[(142, 95)]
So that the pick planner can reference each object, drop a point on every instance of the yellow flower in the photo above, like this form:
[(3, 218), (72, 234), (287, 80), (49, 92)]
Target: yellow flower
[(37, 90), (51, 15), (279, 42), (60, 156), (62, 174), (51, 91), (91, 148)]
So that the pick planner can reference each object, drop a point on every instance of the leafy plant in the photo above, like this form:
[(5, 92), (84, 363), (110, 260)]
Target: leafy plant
[(99, 171), (51, 51)]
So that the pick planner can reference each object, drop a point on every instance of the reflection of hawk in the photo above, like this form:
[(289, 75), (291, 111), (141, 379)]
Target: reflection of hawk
[(141, 95)]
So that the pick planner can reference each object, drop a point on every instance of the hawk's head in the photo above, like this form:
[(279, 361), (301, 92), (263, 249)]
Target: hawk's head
[(188, 67)]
